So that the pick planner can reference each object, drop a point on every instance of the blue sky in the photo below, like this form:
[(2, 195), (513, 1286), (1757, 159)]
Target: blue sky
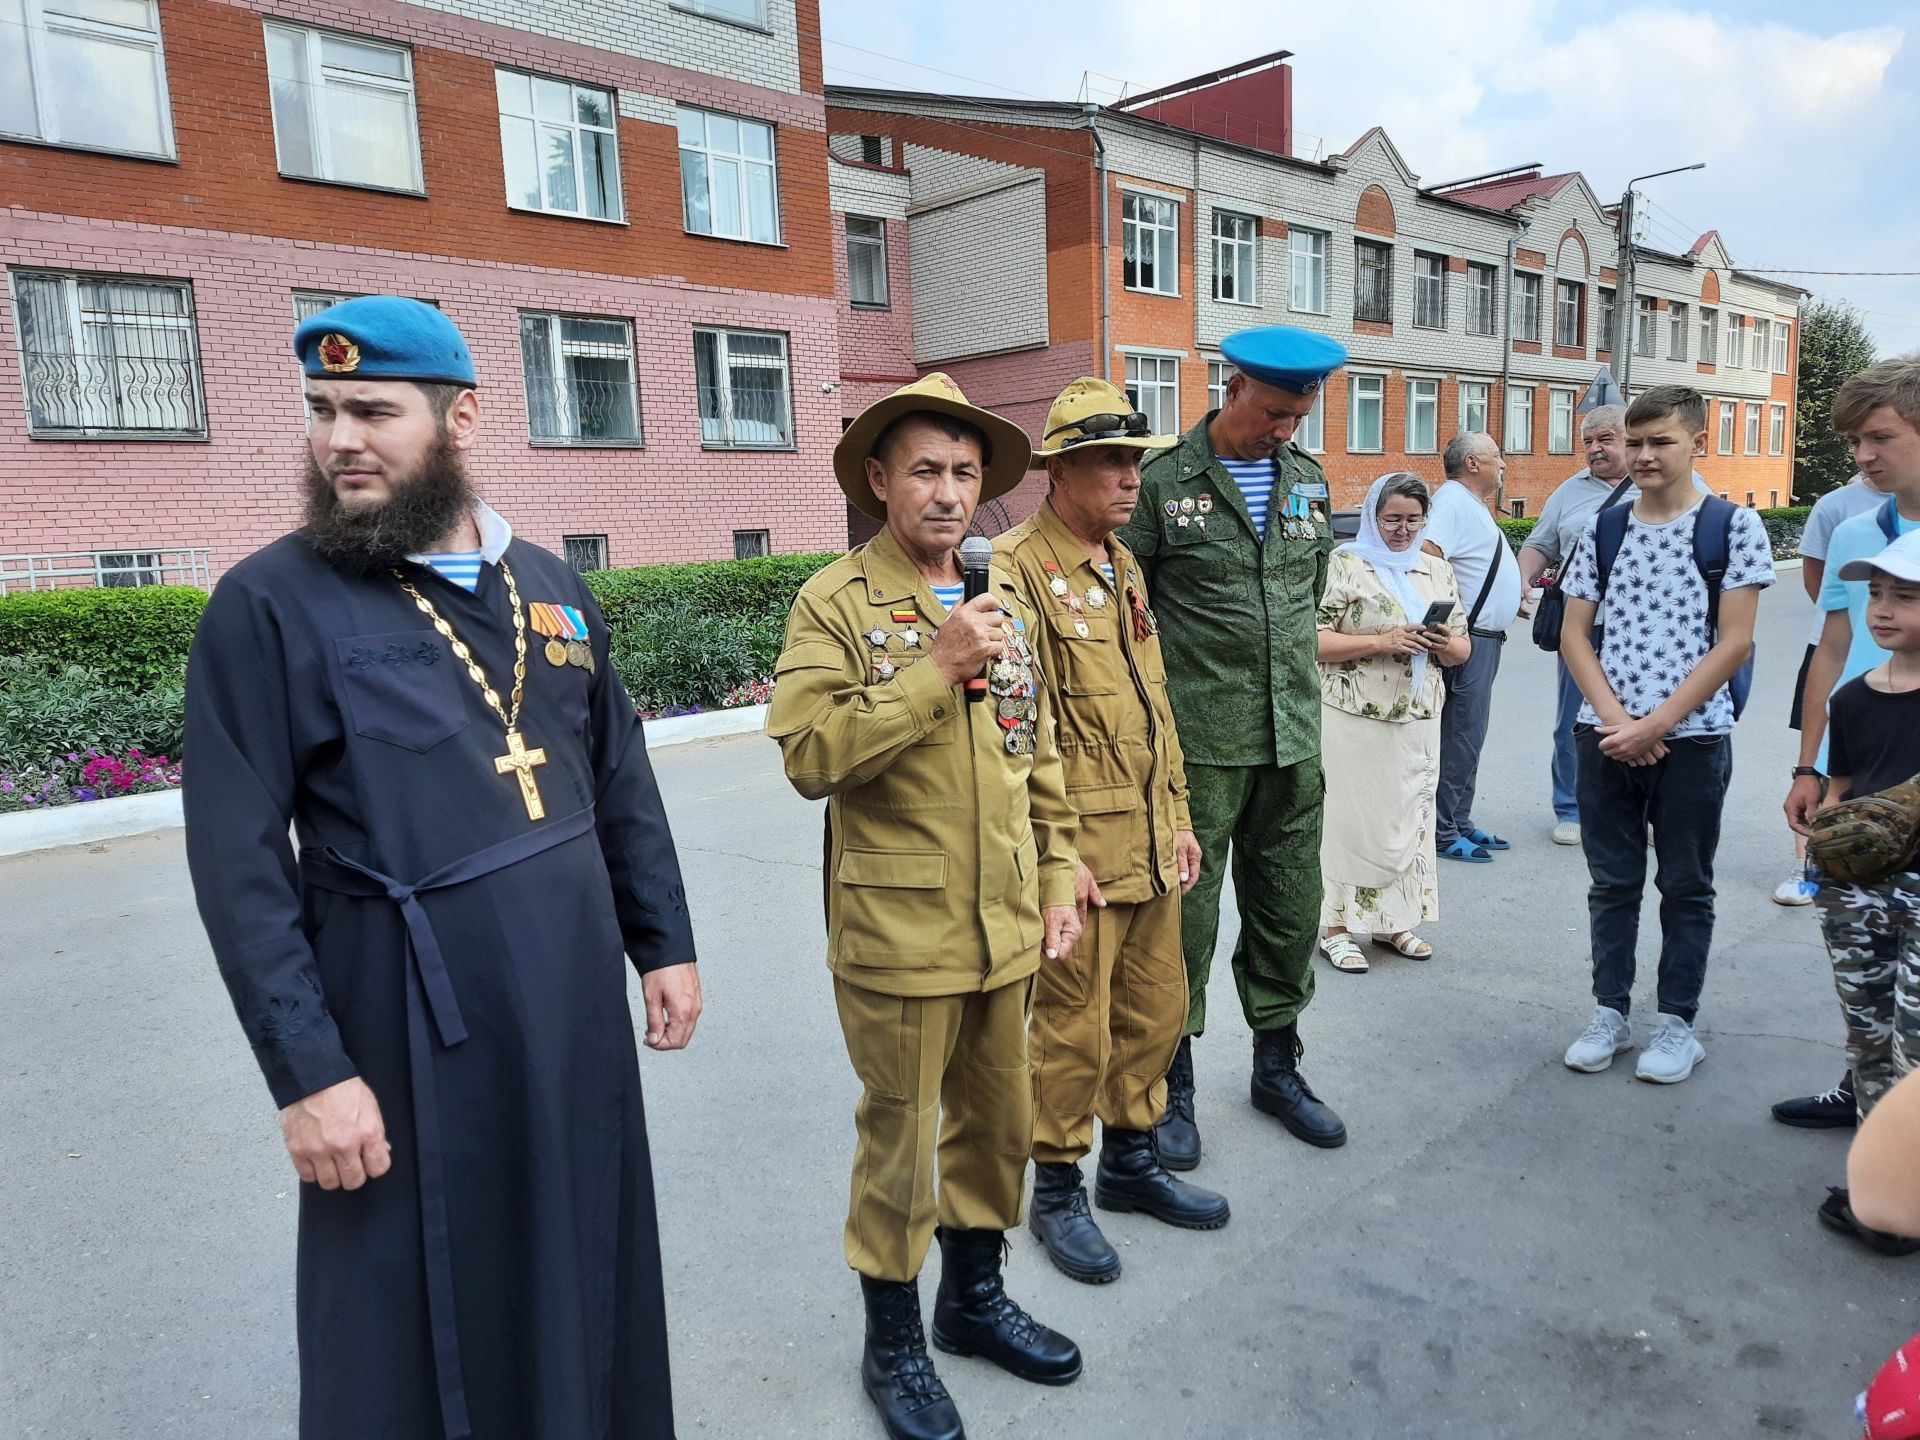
[(1807, 115)]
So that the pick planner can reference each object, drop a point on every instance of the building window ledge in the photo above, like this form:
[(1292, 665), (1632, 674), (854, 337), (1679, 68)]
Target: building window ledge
[(10, 138), (420, 194), (619, 220)]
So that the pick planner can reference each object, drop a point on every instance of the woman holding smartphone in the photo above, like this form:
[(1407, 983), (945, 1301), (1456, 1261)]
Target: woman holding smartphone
[(1390, 618)]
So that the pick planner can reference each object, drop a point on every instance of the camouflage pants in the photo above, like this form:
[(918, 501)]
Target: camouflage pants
[(1873, 938)]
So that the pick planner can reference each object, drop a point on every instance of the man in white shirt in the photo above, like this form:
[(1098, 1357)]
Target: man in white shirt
[(1462, 528)]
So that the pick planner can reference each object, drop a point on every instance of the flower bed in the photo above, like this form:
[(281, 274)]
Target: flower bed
[(85, 775)]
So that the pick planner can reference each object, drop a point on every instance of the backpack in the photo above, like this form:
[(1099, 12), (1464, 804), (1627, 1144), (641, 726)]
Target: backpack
[(1712, 542)]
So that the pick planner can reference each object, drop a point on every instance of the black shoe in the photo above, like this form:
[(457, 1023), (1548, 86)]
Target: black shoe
[(1836, 1213), (1834, 1109), (974, 1315), (1175, 1135), (1061, 1221), (1279, 1090), (1131, 1177), (895, 1369)]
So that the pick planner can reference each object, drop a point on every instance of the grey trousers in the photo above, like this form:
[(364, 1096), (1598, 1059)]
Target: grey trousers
[(1463, 729)]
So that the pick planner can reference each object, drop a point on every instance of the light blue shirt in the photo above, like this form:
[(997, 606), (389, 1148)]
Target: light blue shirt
[(457, 567), (1857, 539), (950, 595), (1255, 479), (462, 568)]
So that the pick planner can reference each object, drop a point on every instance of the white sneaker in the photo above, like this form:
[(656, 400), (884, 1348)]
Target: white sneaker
[(1606, 1035), (1567, 832), (1671, 1055), (1796, 889)]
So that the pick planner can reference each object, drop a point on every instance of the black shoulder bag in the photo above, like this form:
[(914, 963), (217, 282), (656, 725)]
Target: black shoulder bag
[(1552, 609)]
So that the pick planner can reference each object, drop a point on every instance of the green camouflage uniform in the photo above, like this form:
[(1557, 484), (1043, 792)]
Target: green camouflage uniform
[(1237, 625), (1873, 937)]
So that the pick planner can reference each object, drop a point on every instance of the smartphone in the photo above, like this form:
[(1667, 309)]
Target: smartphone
[(1437, 614)]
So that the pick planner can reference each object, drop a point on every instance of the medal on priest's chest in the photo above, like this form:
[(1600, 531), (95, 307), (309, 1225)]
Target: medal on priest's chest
[(519, 761), (567, 635)]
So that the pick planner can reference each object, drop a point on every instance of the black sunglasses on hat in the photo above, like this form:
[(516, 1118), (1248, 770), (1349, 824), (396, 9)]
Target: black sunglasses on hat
[(1102, 427)]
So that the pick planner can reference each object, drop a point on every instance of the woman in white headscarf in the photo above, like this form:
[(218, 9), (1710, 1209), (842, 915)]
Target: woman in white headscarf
[(1380, 698)]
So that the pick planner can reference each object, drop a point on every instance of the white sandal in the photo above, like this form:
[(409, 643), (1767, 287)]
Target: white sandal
[(1406, 943), (1343, 954)]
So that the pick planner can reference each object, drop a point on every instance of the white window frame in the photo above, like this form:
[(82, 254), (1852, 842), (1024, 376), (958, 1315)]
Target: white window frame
[(1386, 272), (316, 96), (1776, 429), (1144, 219), (1560, 426), (1646, 327), (1736, 356), (724, 360), (1423, 396), (1233, 251), (1709, 335), (1782, 339), (83, 335), (1759, 345), (577, 129), (1679, 329), (1372, 388), (1483, 298), (1158, 396), (1520, 408), (1429, 290), (1311, 434), (1725, 446), (877, 244), (565, 404), (1752, 436), (1218, 373), (1313, 257), (39, 24), (1565, 293), (1468, 404), (1606, 334), (709, 11), (1526, 305), (744, 166)]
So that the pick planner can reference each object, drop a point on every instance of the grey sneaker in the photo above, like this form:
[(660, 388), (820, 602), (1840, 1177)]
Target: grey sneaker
[(1567, 832), (1606, 1035), (1672, 1053)]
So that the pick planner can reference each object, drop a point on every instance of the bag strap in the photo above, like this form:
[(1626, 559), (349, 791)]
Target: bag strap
[(1493, 570), (1609, 532), (1889, 518), (1712, 546)]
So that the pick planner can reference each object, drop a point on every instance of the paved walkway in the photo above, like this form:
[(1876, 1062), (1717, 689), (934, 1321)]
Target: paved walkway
[(1505, 1249)]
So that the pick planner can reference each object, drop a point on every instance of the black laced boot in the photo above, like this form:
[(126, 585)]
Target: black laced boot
[(1062, 1223), (1280, 1091), (1175, 1136), (1131, 1177), (896, 1370), (974, 1315)]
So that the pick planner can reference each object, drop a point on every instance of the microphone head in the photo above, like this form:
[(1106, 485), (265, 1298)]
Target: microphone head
[(976, 553)]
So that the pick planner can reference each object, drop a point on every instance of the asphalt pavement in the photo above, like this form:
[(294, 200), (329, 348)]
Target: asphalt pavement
[(1504, 1248)]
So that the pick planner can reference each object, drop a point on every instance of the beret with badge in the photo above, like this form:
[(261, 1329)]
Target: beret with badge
[(1284, 356), (384, 337)]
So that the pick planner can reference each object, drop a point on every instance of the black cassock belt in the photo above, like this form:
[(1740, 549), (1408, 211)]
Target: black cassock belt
[(431, 990)]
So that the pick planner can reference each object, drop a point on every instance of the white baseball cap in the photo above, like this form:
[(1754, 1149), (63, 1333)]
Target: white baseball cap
[(1901, 560)]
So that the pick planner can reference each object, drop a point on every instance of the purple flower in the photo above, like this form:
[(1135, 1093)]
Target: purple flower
[(6, 787), (81, 792), (71, 755)]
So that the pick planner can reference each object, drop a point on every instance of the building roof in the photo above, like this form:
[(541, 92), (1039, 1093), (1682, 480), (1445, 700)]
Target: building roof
[(1505, 194)]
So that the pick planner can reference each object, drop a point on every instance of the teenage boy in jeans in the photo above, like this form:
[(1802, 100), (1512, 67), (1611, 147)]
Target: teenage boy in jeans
[(1654, 736)]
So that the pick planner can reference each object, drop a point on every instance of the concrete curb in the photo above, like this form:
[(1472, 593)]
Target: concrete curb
[(25, 831)]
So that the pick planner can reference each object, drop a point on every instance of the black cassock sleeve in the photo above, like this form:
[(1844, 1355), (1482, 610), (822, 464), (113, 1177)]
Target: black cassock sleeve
[(647, 891), (240, 773)]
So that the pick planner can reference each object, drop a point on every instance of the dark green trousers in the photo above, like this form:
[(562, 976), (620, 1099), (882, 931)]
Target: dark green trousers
[(1268, 817)]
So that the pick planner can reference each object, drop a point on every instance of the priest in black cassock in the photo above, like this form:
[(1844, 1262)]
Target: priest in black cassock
[(433, 982)]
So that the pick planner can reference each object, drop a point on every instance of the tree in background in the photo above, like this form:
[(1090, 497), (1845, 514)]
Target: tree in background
[(1834, 347)]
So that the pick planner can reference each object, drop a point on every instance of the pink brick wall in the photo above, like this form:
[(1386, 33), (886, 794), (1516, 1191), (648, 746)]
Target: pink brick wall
[(1021, 387), (876, 346), (239, 490)]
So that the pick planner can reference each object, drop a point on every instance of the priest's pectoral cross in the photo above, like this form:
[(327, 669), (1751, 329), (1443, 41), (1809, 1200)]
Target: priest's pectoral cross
[(520, 762)]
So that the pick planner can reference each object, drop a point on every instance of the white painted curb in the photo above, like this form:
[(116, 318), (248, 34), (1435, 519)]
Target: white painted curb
[(83, 824)]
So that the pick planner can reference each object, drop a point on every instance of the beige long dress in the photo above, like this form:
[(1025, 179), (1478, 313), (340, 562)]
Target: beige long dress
[(1380, 747)]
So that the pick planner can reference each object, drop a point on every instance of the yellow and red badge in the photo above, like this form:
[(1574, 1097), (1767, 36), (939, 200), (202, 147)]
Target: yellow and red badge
[(338, 355)]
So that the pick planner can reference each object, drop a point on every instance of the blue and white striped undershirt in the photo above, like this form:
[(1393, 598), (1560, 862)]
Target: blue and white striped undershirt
[(1255, 479), (1106, 569), (462, 567), (950, 595)]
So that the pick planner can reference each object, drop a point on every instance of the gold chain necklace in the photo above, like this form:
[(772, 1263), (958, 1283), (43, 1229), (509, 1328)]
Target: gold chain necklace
[(519, 760)]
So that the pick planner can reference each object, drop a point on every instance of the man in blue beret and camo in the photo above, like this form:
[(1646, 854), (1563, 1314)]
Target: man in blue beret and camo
[(434, 985), (1234, 529)]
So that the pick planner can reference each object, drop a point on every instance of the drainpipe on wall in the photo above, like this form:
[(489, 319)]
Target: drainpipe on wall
[(1106, 278), (1506, 335)]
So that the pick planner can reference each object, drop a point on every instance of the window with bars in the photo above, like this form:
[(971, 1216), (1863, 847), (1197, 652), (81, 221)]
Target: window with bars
[(1609, 310), (561, 146), (127, 570), (867, 262), (1307, 270), (1526, 306), (106, 356), (1153, 384), (745, 403), (343, 108), (871, 152), (1475, 405), (1366, 414), (580, 380), (1567, 295), (1481, 309), (1560, 422), (728, 182), (1646, 326), (1150, 230), (1678, 328), (1777, 430), (1709, 335), (585, 552), (1423, 417), (1519, 439), (1430, 291), (1236, 259), (87, 73), (752, 544), (1373, 282)]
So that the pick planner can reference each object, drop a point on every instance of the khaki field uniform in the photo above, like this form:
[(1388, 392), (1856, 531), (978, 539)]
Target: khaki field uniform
[(947, 833), (1106, 1023)]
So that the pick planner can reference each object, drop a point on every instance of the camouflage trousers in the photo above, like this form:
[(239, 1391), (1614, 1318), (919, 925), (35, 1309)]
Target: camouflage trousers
[(1873, 938)]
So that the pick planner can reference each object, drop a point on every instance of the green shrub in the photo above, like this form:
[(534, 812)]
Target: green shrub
[(48, 710), (136, 639), (1517, 530), (1783, 528), (675, 657), (733, 589)]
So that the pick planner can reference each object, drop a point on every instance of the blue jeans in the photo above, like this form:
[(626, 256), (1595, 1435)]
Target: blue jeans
[(1463, 730), (1566, 802), (1681, 798)]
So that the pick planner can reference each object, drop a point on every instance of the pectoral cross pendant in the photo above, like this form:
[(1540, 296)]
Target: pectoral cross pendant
[(520, 761)]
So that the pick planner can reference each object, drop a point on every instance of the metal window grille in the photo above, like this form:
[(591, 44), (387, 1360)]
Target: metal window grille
[(1430, 292), (343, 108), (728, 184), (751, 544), (560, 144), (579, 376), (109, 357), (126, 570), (1480, 309), (86, 73), (1566, 314), (585, 552), (1372, 281), (155, 565), (867, 261), (1149, 230), (1307, 266), (1235, 257), (1526, 307), (870, 150), (741, 376)]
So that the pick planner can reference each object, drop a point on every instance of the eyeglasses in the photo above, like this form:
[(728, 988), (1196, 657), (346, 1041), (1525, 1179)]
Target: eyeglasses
[(1418, 522), (1102, 427)]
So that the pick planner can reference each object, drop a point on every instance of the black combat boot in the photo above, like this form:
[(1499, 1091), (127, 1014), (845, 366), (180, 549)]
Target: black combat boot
[(896, 1370), (974, 1315), (1175, 1135), (1279, 1090), (1131, 1177), (1061, 1221)]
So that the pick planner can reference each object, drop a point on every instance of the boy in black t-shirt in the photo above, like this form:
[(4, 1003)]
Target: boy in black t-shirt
[(1873, 931)]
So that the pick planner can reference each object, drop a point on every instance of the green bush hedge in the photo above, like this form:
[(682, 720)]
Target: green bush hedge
[(136, 639), (733, 589), (48, 710), (1783, 528)]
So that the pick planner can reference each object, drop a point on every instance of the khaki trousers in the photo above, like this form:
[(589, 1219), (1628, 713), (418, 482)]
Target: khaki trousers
[(940, 1070), (1105, 1026)]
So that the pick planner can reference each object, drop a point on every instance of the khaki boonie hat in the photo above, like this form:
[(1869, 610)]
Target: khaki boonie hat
[(1082, 400), (938, 393)]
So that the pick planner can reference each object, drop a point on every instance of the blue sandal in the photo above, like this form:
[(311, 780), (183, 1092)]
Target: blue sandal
[(1487, 841), (1464, 849)]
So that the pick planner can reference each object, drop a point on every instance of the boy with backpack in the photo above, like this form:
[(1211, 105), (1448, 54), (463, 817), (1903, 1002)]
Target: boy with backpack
[(1673, 583)]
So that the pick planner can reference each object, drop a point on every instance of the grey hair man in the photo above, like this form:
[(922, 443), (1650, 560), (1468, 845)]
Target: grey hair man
[(1461, 526)]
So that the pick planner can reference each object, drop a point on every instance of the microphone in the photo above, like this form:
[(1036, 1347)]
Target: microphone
[(976, 557)]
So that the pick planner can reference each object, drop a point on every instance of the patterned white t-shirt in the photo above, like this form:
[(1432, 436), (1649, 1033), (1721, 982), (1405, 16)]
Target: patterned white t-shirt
[(1656, 611)]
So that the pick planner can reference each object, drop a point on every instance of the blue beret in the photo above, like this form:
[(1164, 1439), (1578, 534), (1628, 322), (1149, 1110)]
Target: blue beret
[(1282, 355), (383, 337)]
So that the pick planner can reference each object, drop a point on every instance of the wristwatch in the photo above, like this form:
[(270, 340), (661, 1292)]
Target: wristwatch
[(1808, 772)]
